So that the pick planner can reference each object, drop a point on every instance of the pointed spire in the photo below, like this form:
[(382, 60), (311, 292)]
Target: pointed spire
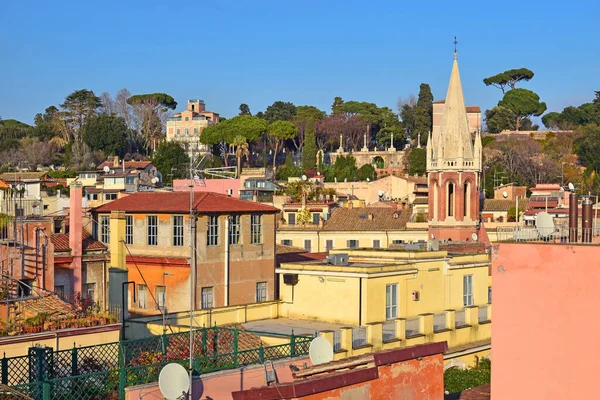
[(454, 136)]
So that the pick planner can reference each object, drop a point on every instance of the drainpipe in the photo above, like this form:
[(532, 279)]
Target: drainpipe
[(226, 264)]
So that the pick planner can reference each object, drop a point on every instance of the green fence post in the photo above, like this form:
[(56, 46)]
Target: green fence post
[(46, 392), (293, 344), (215, 343), (122, 371), (4, 370), (261, 354), (204, 339), (74, 367), (164, 344), (235, 347)]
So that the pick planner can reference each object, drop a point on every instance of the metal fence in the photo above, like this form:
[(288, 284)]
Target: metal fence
[(482, 313), (337, 340), (359, 336), (103, 371), (460, 318), (389, 330), (557, 234), (412, 327), (439, 322)]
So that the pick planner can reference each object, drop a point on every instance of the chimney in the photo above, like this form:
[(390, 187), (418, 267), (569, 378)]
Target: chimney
[(75, 234), (303, 199), (370, 216), (586, 219), (573, 217), (116, 161)]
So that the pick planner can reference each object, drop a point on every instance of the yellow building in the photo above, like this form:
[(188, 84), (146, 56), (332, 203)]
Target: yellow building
[(186, 127), (369, 227), (396, 297)]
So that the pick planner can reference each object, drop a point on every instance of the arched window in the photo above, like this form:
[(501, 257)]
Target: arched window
[(467, 199), (187, 132), (187, 118), (450, 202)]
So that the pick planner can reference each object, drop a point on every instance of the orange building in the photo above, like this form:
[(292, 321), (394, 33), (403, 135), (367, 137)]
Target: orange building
[(234, 240), (186, 127)]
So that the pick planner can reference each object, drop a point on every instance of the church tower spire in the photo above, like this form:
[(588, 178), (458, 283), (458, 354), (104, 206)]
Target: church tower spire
[(453, 169)]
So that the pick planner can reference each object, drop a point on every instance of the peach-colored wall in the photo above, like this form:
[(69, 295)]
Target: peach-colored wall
[(544, 325), (210, 185), (219, 385)]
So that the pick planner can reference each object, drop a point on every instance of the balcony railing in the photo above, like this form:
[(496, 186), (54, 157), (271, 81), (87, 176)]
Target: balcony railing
[(556, 234), (460, 319), (439, 322), (389, 330), (482, 314), (412, 327), (359, 336)]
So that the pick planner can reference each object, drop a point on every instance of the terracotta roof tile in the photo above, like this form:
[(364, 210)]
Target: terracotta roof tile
[(285, 249), (61, 242), (482, 392), (357, 219), (179, 202), (421, 200), (12, 176)]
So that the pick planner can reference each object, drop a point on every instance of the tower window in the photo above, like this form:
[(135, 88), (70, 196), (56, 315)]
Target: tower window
[(466, 198), (451, 199)]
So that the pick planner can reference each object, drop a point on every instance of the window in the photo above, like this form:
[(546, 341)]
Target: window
[(161, 297), (234, 229), (328, 245), (142, 294), (291, 218), (110, 196), (105, 229), (307, 245), (92, 196), (178, 132), (152, 221), (255, 229), (60, 291), (207, 298), (450, 202), (397, 241), (89, 292), (129, 180), (316, 218), (195, 131), (129, 229), (489, 295), (352, 244), (178, 230), (391, 301), (212, 238), (187, 118), (187, 132), (376, 244), (466, 199), (467, 290), (261, 291)]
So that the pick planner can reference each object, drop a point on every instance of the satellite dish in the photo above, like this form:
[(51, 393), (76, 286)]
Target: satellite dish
[(381, 193), (571, 187), (320, 351), (544, 224), (173, 381), (155, 179), (474, 236), (106, 169), (368, 180), (304, 177), (504, 194)]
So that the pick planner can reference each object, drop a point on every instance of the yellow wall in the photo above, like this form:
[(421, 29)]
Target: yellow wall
[(12, 349)]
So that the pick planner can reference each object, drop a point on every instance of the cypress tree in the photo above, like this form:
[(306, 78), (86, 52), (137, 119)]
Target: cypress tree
[(309, 149)]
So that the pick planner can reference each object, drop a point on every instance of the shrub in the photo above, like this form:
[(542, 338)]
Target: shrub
[(457, 379)]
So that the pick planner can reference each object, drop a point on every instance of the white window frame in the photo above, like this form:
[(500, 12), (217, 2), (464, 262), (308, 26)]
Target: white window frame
[(286, 242), (391, 301), (291, 218), (256, 229), (161, 298), (177, 222), (212, 233), (142, 296), (105, 229), (261, 292), (129, 229), (152, 230), (376, 242), (207, 299), (468, 290), (316, 218), (235, 229)]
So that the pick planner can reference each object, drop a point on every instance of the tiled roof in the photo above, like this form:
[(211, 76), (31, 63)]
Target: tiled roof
[(179, 202), (61, 242), (503, 205), (482, 392), (128, 165), (357, 219), (421, 200), (284, 249), (384, 204)]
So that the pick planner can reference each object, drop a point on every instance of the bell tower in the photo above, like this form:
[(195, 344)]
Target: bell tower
[(454, 164)]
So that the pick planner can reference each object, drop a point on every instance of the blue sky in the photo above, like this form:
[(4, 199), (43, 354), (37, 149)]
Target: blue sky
[(256, 52)]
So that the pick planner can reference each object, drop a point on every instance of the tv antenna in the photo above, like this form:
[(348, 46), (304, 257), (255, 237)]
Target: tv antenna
[(198, 172), (173, 381), (320, 351)]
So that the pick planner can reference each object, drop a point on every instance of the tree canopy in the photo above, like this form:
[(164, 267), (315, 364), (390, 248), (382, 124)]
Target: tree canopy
[(249, 127), (171, 158), (523, 103), (509, 78), (280, 131), (280, 111), (163, 99), (244, 109), (499, 119), (107, 133)]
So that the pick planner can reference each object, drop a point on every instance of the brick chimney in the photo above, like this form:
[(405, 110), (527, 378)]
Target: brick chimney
[(75, 234)]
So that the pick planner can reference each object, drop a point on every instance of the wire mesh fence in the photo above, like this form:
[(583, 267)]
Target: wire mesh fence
[(359, 336), (482, 313), (412, 327), (460, 318), (389, 330), (439, 322)]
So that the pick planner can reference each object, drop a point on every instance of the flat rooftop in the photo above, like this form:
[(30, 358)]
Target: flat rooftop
[(285, 326)]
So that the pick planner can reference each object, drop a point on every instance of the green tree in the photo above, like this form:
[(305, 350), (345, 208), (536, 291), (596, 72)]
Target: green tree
[(244, 109), (77, 108), (588, 146), (337, 106), (305, 116), (309, 151), (523, 103), (417, 161), (509, 78), (280, 111), (150, 112), (572, 117), (279, 131), (550, 120), (171, 158), (107, 133), (365, 172), (499, 119), (423, 114)]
